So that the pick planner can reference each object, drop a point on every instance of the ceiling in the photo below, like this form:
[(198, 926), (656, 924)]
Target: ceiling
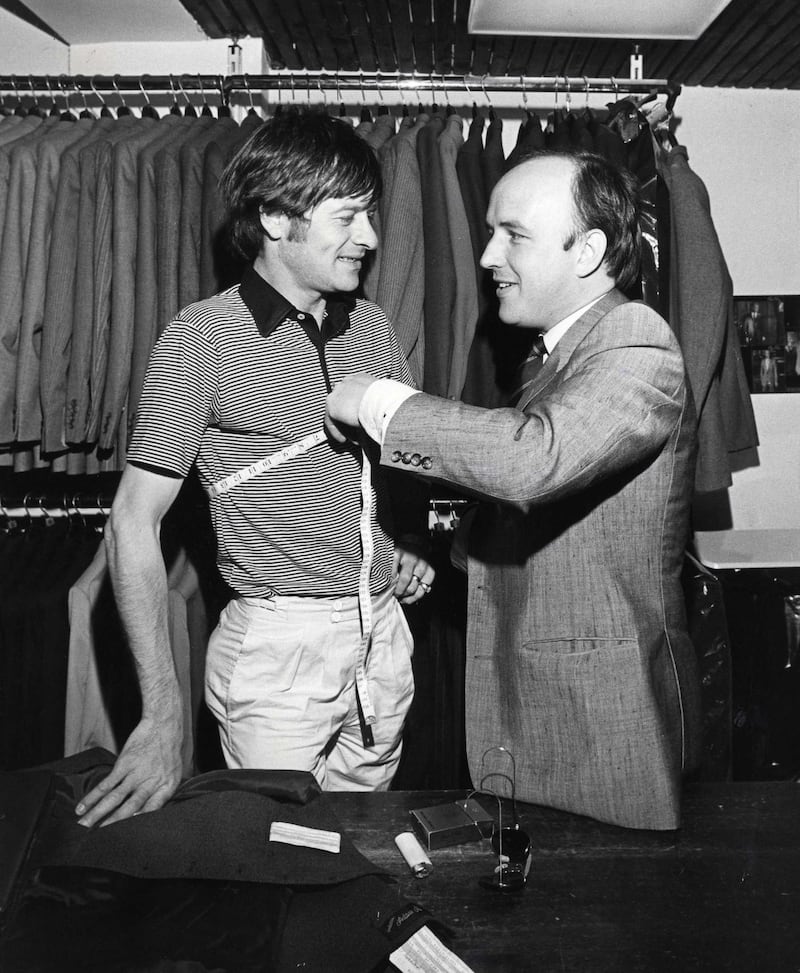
[(751, 44)]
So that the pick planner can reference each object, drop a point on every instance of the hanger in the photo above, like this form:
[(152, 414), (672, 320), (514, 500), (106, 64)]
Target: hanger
[(19, 108), (175, 108), (105, 111), (365, 114), (434, 106), (475, 111), (342, 109), (224, 110), (404, 112), (251, 111), (448, 108), (383, 109), (488, 99), (54, 109), (67, 115), (123, 108), (322, 94), (37, 109), (206, 108), (148, 111), (86, 112), (189, 111)]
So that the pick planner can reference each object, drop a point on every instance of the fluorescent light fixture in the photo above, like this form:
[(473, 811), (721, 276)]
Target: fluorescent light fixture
[(680, 20)]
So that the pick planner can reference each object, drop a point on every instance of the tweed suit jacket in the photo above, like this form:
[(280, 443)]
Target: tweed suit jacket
[(578, 657)]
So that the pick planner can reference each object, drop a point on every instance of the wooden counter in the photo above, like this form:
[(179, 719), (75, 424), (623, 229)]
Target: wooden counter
[(720, 894)]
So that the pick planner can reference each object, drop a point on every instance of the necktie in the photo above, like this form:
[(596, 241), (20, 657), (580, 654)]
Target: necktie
[(530, 367)]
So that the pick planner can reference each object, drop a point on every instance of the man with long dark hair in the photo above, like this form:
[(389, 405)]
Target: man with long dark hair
[(310, 665)]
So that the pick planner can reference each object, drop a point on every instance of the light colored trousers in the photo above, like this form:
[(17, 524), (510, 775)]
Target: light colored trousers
[(280, 681)]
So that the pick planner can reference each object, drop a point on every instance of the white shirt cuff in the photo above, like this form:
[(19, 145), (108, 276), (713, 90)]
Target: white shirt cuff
[(380, 402)]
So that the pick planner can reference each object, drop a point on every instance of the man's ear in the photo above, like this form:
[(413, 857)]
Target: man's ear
[(275, 224), (592, 252)]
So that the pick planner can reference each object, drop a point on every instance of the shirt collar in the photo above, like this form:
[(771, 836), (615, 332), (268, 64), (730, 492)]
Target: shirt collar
[(270, 308), (557, 332)]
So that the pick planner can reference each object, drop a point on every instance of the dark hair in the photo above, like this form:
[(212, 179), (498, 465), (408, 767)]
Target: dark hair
[(605, 197), (292, 162)]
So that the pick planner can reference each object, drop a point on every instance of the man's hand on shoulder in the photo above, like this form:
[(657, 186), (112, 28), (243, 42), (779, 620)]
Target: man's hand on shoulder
[(145, 776)]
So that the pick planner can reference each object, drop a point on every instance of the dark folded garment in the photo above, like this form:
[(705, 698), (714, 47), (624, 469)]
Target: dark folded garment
[(23, 798), (196, 887)]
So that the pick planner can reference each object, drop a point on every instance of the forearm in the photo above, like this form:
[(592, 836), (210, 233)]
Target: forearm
[(138, 576)]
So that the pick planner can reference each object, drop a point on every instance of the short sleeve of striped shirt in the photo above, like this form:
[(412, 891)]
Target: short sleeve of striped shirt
[(177, 398)]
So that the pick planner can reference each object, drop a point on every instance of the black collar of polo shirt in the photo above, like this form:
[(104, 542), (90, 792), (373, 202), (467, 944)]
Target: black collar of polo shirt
[(269, 308)]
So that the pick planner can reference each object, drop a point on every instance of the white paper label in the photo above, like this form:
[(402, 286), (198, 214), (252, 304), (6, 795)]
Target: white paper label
[(295, 834), (424, 953)]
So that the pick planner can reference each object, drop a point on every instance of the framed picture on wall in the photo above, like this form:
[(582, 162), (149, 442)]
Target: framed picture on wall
[(769, 336)]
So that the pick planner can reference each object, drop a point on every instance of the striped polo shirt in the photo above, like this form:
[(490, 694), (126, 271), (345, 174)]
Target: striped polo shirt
[(241, 375)]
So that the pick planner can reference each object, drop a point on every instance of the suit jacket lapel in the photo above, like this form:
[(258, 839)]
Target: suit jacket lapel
[(568, 343)]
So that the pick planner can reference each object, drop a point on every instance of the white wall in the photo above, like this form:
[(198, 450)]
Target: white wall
[(745, 144), (25, 50), (203, 56)]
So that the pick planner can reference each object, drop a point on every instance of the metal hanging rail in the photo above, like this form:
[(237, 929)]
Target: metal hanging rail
[(35, 506), (302, 82)]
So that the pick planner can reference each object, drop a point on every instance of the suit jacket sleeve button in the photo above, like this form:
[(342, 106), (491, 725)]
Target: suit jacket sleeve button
[(406, 458), (427, 462), (416, 459), (396, 456)]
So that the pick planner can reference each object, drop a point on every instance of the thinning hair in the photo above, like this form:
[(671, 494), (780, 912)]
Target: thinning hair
[(605, 197), (289, 165)]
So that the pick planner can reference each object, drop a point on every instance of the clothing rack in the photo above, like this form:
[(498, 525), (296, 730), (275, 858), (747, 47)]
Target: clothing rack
[(300, 83), (33, 506)]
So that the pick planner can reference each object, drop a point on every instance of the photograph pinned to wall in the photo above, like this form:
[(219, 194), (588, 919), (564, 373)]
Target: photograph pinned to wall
[(791, 360), (759, 321), (769, 336)]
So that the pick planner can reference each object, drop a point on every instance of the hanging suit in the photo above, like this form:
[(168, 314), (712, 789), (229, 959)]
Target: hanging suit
[(401, 284), (20, 158), (192, 154), (57, 324), (701, 314), (218, 267), (125, 231), (440, 282), (145, 326), (48, 161), (92, 268), (465, 305), (168, 217)]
